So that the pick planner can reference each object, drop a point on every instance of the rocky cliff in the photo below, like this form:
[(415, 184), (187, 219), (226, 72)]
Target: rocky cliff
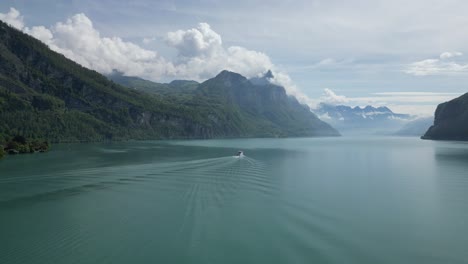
[(45, 95), (239, 107), (266, 106), (450, 121)]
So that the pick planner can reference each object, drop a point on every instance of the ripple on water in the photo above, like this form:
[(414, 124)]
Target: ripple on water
[(203, 188)]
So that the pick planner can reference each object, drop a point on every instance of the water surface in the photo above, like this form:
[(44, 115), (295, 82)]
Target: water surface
[(317, 200)]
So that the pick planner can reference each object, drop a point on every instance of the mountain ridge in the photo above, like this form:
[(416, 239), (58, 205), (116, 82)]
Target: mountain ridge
[(366, 120), (45, 95), (233, 89)]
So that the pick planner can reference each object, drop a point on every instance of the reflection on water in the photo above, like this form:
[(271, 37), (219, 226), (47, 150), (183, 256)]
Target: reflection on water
[(377, 200), (452, 151)]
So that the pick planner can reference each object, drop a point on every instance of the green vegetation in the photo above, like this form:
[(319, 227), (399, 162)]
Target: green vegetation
[(44, 95), (21, 145), (178, 89), (235, 107)]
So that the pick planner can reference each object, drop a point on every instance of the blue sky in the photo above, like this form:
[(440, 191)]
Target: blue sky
[(409, 55)]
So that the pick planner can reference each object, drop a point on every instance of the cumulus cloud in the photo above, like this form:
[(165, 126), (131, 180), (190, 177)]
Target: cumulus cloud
[(331, 97), (78, 40), (196, 41), (200, 52), (444, 65), (14, 18), (41, 33)]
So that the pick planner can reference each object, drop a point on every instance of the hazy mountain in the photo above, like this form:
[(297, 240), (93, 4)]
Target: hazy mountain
[(451, 120), (416, 127), (45, 95), (357, 120)]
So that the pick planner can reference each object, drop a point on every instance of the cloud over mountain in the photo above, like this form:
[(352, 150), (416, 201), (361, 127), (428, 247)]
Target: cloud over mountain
[(330, 97), (13, 17), (200, 52)]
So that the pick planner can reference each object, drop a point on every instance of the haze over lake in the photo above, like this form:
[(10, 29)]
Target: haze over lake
[(304, 200)]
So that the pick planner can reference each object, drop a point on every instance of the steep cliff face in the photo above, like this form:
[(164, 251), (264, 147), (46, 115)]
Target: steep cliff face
[(234, 106), (451, 120), (45, 95), (268, 110)]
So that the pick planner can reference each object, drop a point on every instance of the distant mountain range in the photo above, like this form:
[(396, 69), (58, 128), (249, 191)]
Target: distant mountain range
[(451, 120), (366, 120), (45, 95), (416, 127)]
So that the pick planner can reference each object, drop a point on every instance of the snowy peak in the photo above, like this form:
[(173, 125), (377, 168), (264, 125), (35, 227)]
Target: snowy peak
[(366, 119), (344, 110)]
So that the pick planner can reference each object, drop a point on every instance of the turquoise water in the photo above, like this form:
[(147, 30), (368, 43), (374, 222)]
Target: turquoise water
[(330, 200)]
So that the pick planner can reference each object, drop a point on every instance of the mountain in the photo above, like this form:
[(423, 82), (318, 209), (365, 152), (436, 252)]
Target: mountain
[(172, 88), (263, 80), (243, 107), (265, 107), (45, 95), (357, 120), (450, 121), (415, 128)]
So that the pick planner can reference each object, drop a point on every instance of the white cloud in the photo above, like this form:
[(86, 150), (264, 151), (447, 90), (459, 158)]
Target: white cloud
[(284, 80), (201, 55), (331, 97), (326, 117), (80, 41), (148, 40), (41, 33), (14, 18), (444, 65), (448, 55), (195, 42), (327, 61), (200, 52)]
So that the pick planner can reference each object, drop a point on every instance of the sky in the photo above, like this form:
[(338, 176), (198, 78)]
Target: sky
[(408, 55)]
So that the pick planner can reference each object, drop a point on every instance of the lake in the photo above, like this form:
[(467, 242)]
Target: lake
[(302, 200)]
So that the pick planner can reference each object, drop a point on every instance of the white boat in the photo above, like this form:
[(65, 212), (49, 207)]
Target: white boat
[(240, 154)]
